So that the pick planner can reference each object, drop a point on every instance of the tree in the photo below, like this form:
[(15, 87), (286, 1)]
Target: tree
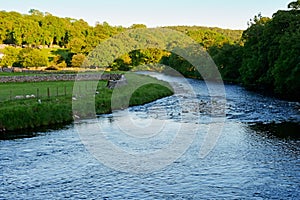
[(10, 56), (58, 61), (61, 56), (134, 26), (294, 5), (76, 45), (55, 27), (32, 34), (228, 58), (287, 68), (29, 57), (120, 65), (35, 12), (180, 65), (271, 54), (255, 64)]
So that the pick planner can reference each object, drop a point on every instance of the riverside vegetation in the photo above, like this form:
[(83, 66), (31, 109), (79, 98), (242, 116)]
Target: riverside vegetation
[(263, 57), (44, 111)]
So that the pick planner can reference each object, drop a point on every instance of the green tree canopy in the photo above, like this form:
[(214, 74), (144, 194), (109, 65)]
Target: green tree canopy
[(29, 57), (133, 26), (271, 54), (10, 56), (294, 5)]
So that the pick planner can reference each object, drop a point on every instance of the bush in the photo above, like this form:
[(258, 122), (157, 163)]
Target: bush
[(77, 60), (10, 56), (29, 57)]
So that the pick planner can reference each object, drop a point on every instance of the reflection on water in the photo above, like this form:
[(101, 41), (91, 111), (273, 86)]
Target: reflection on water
[(288, 130), (242, 165), (28, 133), (252, 158)]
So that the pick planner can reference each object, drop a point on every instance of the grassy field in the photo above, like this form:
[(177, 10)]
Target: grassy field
[(9, 91), (15, 74), (37, 74), (40, 111)]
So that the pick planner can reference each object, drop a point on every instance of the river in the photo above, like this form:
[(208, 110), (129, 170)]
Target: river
[(254, 155)]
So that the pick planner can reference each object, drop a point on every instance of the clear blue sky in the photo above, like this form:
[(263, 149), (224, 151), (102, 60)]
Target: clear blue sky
[(232, 14)]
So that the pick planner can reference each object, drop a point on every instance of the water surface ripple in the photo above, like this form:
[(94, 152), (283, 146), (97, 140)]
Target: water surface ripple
[(249, 160)]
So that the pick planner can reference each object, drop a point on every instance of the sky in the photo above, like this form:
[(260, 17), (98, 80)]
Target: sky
[(232, 14)]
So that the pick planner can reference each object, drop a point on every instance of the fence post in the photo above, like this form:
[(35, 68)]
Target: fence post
[(48, 91), (37, 92), (10, 95)]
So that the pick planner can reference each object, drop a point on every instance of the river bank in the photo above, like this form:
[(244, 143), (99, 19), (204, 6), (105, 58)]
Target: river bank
[(21, 114)]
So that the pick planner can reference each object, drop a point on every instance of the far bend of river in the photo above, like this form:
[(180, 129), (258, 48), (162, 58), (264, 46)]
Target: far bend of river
[(256, 156)]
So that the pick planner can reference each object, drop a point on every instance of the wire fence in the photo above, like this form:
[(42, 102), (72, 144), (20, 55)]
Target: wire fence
[(49, 92), (10, 92)]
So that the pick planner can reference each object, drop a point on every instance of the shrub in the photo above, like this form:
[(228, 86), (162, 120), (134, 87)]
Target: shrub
[(77, 60), (29, 57)]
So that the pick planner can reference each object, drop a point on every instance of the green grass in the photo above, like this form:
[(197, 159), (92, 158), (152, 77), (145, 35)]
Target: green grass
[(140, 89), (31, 74), (24, 114), (8, 91), (35, 74), (14, 74), (29, 113)]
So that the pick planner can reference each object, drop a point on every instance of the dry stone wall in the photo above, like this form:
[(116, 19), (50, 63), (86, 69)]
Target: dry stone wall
[(61, 77)]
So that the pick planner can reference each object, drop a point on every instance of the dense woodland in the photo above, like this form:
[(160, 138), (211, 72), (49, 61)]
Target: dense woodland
[(266, 56)]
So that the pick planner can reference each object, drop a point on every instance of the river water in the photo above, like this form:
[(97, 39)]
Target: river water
[(254, 155)]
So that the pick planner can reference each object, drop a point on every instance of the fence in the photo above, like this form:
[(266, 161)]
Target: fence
[(48, 86), (40, 90)]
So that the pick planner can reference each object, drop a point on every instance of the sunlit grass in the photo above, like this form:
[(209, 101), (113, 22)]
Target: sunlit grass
[(57, 108)]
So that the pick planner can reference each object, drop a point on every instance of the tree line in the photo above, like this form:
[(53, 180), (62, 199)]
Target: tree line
[(264, 57), (38, 28), (74, 39), (268, 58)]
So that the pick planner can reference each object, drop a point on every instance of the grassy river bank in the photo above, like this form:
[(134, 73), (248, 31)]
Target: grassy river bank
[(52, 101)]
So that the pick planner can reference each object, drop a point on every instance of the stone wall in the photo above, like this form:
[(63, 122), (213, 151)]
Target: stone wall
[(61, 77), (117, 83)]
